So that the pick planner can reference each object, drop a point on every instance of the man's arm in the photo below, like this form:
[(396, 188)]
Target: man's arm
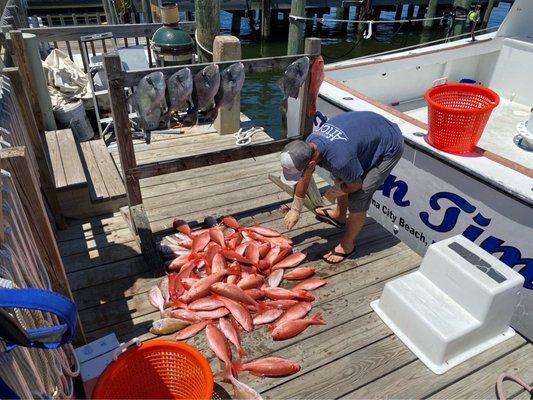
[(300, 191)]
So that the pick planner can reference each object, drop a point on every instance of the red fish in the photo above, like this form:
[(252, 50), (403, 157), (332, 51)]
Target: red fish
[(275, 278), (285, 294), (233, 279), (298, 311), (290, 329), (255, 294), (185, 315), (310, 284), (269, 366), (291, 261), (199, 242), (220, 346), (264, 248), (250, 281), (263, 231), (206, 304), (252, 252), (232, 335), (241, 248), (283, 253), (234, 240), (232, 292), (178, 262), (272, 254), (217, 235), (234, 256), (231, 222), (202, 287), (316, 77), (181, 226), (299, 273), (218, 263), (213, 314), (191, 330), (282, 304), (239, 312), (267, 316), (210, 253)]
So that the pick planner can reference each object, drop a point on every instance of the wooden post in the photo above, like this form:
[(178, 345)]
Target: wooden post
[(107, 12), (236, 22), (16, 161), (39, 79), (265, 19), (21, 61), (342, 13), (119, 110), (486, 15), (207, 15), (431, 13), (312, 46), (45, 177), (410, 11), (296, 28), (422, 8), (228, 48), (309, 24)]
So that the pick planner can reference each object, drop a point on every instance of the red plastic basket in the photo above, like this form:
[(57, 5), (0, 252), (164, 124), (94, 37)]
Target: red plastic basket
[(157, 369), (458, 114)]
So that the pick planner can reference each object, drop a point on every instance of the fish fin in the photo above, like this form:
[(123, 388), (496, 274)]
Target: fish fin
[(317, 319), (236, 367), (271, 327)]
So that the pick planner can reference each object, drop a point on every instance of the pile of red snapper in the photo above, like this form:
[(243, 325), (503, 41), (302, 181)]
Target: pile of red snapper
[(231, 274)]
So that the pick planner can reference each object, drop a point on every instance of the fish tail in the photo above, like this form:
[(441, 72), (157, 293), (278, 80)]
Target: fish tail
[(241, 351), (317, 319)]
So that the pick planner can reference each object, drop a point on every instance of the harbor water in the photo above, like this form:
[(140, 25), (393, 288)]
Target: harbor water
[(261, 96)]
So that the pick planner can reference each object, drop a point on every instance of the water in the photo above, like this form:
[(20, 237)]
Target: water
[(261, 96)]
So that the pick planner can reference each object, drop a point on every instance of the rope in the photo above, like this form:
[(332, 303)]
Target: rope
[(380, 21), (200, 44), (244, 138)]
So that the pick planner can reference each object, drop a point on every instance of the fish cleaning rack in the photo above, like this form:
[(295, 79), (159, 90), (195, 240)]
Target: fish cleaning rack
[(119, 80)]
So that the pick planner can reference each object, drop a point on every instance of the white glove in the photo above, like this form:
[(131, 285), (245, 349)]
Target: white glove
[(293, 215)]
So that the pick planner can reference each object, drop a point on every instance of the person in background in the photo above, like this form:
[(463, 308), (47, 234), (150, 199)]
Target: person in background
[(473, 17), (359, 149)]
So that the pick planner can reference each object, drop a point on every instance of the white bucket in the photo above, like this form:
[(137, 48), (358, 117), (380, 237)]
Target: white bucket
[(73, 116)]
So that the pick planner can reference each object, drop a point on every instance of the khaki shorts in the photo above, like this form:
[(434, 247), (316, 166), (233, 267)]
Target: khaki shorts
[(360, 201)]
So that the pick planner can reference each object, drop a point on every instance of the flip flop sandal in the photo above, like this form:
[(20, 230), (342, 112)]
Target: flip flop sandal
[(328, 219), (336, 253)]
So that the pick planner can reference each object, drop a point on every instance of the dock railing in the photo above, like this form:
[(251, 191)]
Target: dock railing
[(119, 80)]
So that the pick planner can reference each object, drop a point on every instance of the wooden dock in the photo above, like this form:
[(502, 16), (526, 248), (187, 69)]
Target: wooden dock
[(354, 356)]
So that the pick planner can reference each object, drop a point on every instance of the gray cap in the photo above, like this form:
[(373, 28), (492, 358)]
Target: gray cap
[(294, 158)]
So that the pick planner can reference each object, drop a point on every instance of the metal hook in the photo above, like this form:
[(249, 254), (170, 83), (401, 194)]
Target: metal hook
[(368, 31)]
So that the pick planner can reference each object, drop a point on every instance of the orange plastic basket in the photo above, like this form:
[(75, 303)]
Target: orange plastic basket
[(458, 114), (157, 369)]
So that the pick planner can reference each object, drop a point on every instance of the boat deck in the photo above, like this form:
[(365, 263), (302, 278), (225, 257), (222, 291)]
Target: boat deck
[(500, 133), (354, 356)]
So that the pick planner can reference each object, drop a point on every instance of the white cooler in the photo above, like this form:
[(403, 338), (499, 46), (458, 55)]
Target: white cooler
[(458, 304)]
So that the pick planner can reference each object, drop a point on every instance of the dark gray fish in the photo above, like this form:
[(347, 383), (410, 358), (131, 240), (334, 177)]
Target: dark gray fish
[(149, 100), (231, 81), (206, 84), (293, 79), (180, 86)]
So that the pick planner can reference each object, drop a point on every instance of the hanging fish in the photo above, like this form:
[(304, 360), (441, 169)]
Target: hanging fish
[(149, 100), (315, 81), (293, 79), (206, 84), (180, 86), (231, 81)]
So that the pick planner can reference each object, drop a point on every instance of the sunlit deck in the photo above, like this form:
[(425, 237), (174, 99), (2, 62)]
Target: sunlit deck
[(355, 355)]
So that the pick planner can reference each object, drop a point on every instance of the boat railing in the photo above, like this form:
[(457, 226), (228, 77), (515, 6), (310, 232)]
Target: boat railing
[(133, 172)]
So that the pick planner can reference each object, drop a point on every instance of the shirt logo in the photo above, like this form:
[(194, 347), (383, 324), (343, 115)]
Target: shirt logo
[(331, 133)]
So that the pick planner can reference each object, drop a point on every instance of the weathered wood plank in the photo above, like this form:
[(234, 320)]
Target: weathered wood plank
[(95, 181), (70, 157), (417, 381), (108, 170), (202, 160), (55, 160), (481, 384), (146, 238)]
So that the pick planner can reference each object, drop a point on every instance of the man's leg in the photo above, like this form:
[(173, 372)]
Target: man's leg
[(354, 224), (339, 213)]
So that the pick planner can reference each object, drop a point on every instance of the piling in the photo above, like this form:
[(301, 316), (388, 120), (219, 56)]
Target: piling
[(207, 16), (431, 12), (420, 14), (460, 26), (309, 23), (342, 13), (265, 19), (147, 11), (295, 43), (227, 48), (410, 11), (486, 15)]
